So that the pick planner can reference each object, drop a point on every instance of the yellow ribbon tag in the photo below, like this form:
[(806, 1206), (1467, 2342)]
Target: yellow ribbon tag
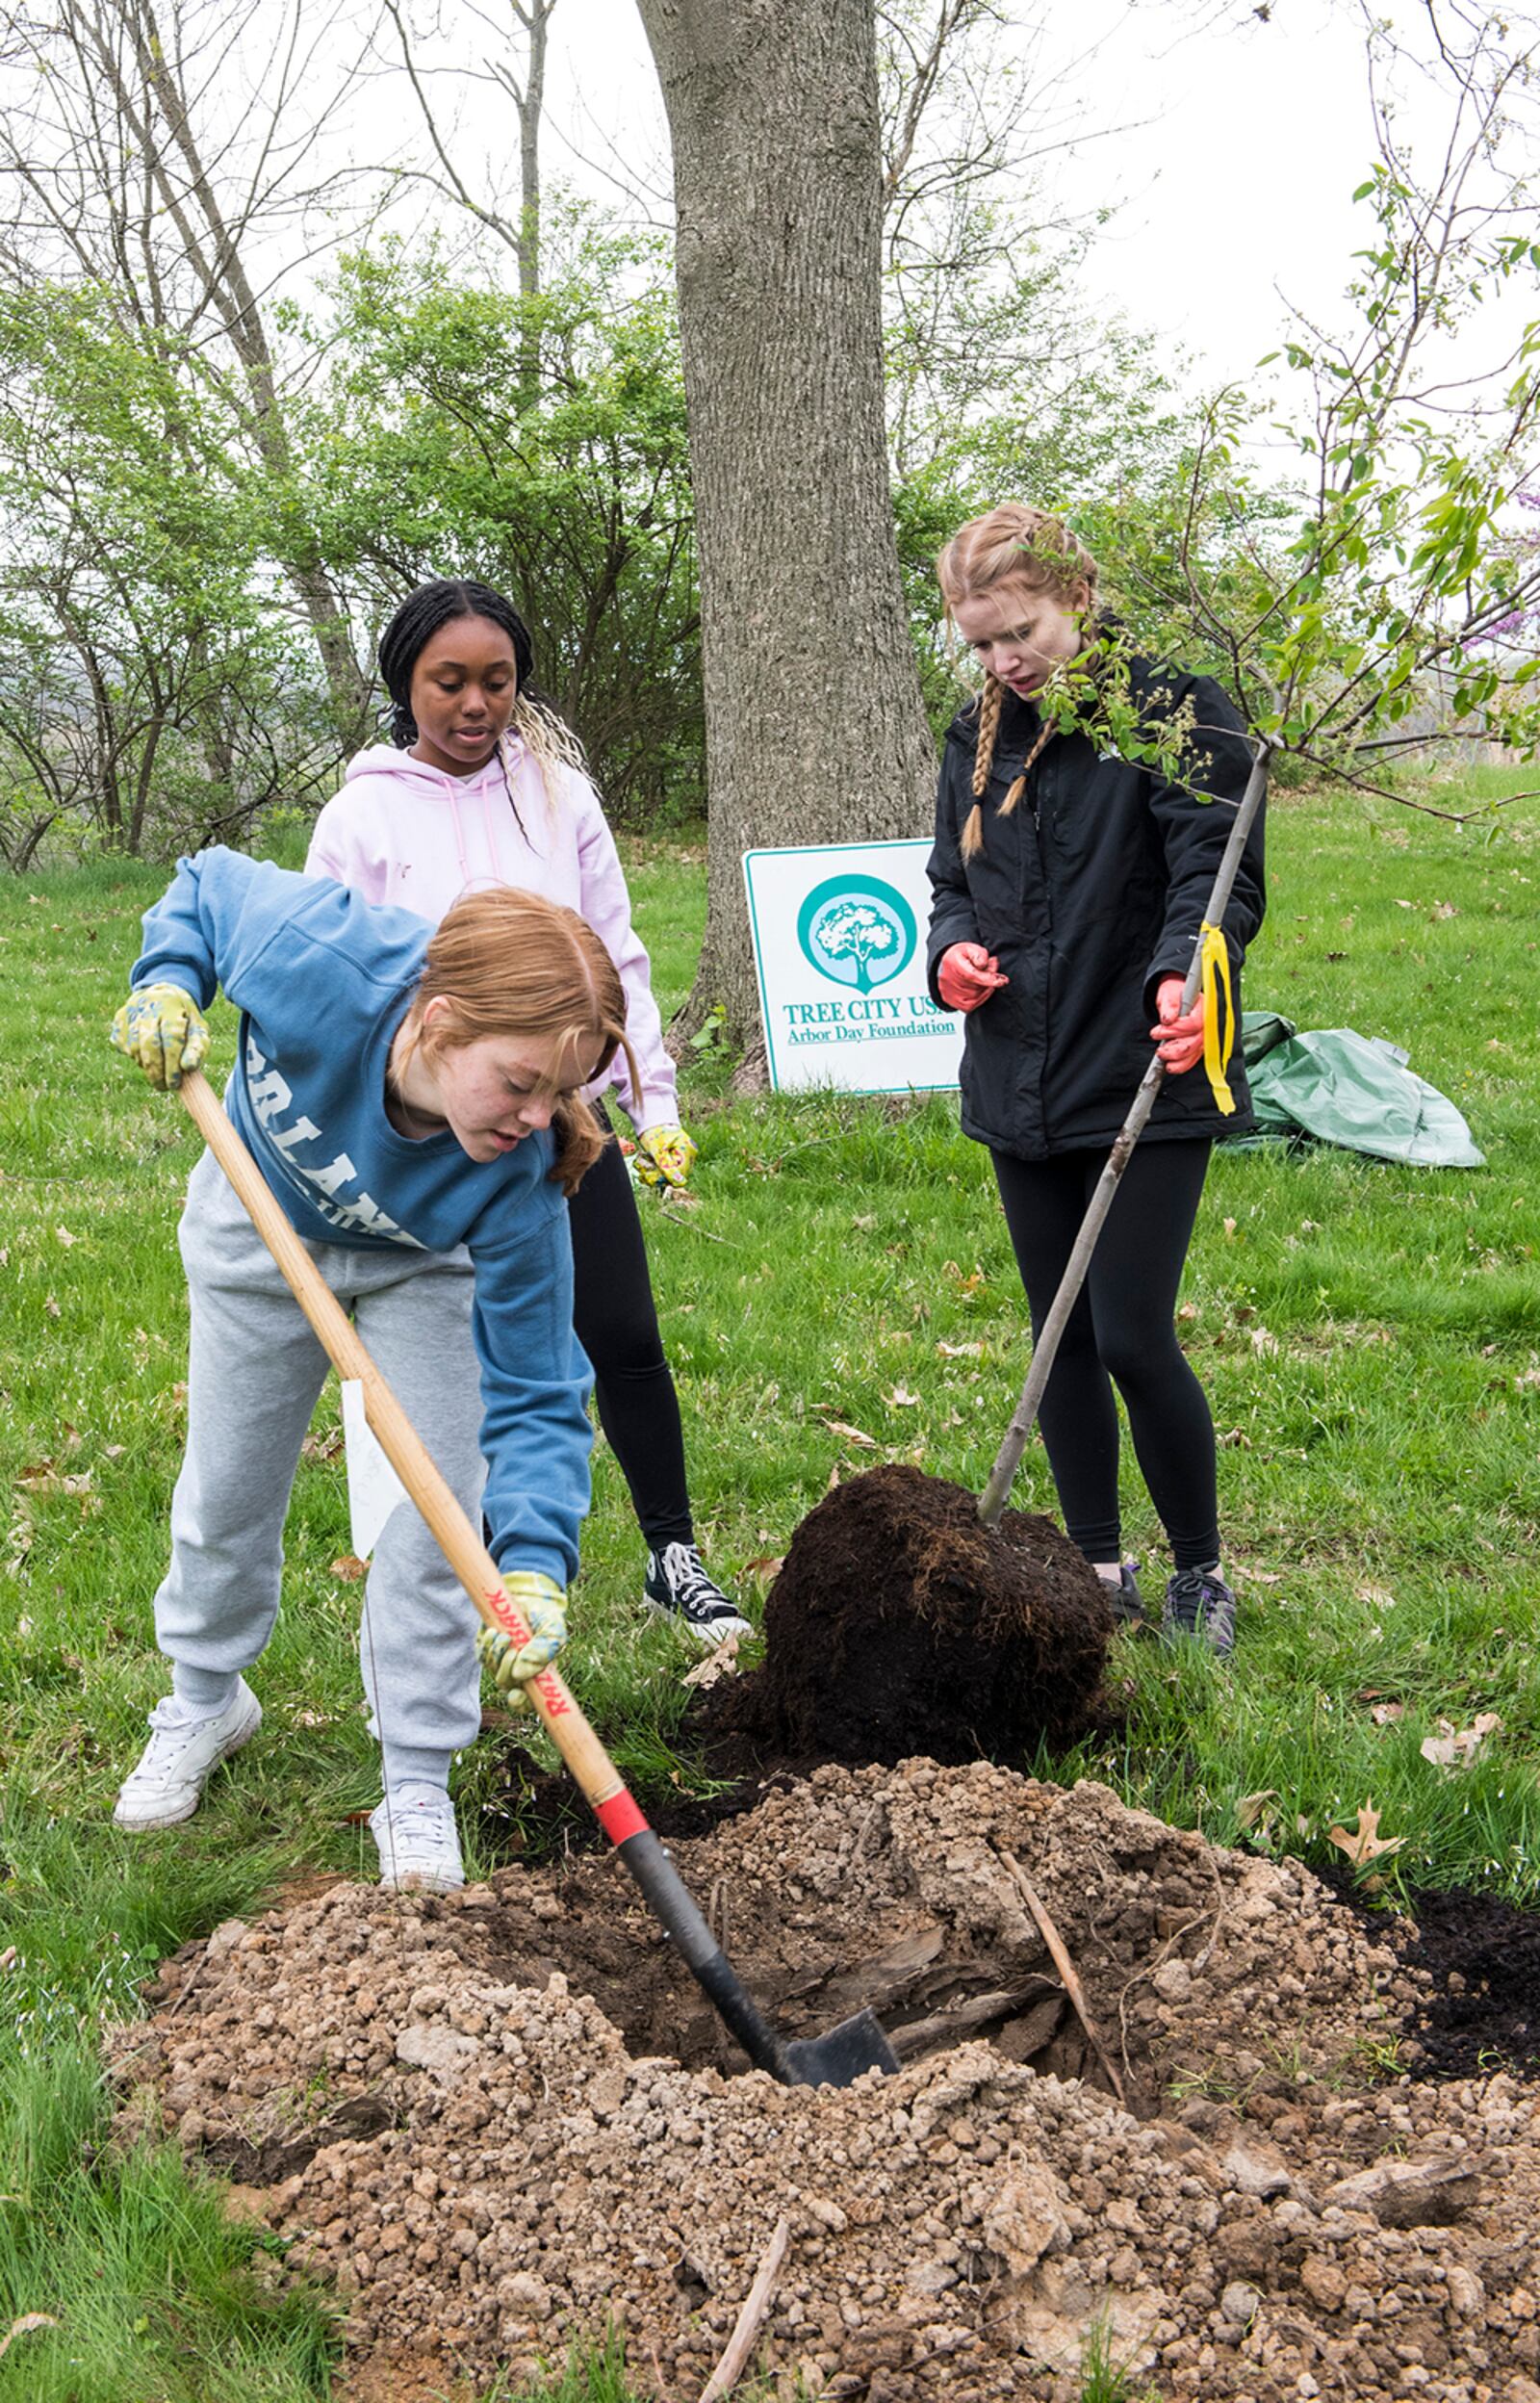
[(1217, 1048)]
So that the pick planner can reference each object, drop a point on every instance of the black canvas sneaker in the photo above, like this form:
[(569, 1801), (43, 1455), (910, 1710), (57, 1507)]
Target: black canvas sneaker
[(678, 1583)]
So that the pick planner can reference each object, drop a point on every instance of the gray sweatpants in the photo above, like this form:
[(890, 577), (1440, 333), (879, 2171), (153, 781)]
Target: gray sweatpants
[(254, 1373)]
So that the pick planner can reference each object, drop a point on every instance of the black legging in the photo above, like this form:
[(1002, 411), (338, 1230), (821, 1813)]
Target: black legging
[(616, 1320), (1121, 1330)]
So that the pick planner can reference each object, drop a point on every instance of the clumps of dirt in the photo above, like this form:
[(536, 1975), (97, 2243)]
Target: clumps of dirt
[(501, 2120), (900, 1624)]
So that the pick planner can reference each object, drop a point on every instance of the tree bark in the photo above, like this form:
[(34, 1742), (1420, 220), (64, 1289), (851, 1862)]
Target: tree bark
[(815, 731)]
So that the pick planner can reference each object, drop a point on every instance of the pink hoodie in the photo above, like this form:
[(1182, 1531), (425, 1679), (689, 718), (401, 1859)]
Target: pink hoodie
[(408, 834)]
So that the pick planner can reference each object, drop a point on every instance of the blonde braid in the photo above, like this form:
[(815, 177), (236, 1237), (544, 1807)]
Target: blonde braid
[(550, 741), (992, 700)]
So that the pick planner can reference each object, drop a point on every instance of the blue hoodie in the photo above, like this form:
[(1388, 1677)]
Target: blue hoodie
[(322, 981)]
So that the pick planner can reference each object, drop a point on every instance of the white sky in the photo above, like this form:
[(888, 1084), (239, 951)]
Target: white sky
[(1234, 178)]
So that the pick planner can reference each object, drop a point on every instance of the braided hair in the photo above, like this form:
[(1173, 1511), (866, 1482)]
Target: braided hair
[(549, 739), (1011, 544)]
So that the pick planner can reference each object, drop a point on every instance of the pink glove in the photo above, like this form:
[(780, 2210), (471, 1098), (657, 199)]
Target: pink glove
[(1178, 1039), (966, 975)]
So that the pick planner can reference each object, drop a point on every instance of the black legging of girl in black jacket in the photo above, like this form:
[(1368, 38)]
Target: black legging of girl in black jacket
[(1122, 1331), (616, 1321)]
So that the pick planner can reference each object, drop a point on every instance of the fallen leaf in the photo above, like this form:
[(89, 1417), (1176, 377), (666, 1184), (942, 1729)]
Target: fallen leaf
[(1406, 905), (1263, 1342), (1236, 1441), (862, 1226), (8, 1958), (350, 1568), (1229, 1227), (1188, 1309), (324, 1447), (1376, 1596), (852, 1434), (762, 1569), (1445, 909), (961, 1351), (45, 1478), (722, 1663), (1457, 1747), (1386, 1714), (1258, 1577), (901, 1398), (25, 2325), (61, 1234), (1250, 1807), (1364, 1843), (51, 1307)]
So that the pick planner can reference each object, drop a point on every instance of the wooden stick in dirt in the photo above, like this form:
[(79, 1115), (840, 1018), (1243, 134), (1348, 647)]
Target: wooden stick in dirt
[(1044, 1352), (740, 2344), (1065, 1967)]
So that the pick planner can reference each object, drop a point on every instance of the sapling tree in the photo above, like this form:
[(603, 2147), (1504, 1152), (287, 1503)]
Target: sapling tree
[(1354, 614)]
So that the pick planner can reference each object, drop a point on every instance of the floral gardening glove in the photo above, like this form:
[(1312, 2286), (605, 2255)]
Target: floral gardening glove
[(664, 1156), (162, 1031), (509, 1664)]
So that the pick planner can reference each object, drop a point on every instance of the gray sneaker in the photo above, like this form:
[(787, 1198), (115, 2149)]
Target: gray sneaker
[(1199, 1605), (166, 1786)]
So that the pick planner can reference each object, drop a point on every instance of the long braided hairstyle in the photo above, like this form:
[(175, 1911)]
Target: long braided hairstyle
[(1019, 544), (549, 739)]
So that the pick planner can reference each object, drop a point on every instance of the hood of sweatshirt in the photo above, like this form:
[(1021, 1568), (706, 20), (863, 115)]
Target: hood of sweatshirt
[(382, 758)]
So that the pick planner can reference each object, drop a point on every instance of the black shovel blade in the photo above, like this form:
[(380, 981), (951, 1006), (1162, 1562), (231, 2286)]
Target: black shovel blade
[(843, 2054)]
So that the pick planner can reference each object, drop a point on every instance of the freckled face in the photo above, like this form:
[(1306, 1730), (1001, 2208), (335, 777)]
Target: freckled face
[(1019, 635), (496, 1090), (464, 685)]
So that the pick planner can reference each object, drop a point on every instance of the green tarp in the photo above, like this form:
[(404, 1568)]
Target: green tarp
[(1355, 1091)]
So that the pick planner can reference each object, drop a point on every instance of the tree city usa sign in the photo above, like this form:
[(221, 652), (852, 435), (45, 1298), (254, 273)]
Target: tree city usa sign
[(839, 950)]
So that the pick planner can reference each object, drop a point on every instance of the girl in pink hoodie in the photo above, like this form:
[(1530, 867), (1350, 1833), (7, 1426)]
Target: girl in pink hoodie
[(483, 784)]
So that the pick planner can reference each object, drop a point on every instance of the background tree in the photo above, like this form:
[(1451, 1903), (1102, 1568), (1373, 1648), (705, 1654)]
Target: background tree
[(428, 452), (158, 149), (813, 717), (145, 690)]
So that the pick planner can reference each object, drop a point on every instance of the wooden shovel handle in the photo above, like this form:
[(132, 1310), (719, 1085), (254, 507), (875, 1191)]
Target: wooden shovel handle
[(467, 1555)]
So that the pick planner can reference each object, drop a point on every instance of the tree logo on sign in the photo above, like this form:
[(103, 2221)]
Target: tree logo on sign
[(856, 931)]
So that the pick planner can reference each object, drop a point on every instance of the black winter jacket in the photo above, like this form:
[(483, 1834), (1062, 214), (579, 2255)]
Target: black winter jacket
[(1090, 891)]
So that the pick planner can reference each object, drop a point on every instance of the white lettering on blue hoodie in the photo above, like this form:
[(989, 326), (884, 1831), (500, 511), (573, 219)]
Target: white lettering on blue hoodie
[(322, 981)]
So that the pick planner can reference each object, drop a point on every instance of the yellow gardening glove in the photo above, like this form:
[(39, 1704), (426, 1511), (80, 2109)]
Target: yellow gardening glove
[(541, 1602), (664, 1156), (162, 1031)]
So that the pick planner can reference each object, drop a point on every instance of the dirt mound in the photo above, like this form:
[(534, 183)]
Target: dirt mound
[(899, 1625), (480, 2114)]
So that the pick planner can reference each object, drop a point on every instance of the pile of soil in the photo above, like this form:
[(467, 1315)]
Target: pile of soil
[(900, 1624), (501, 2119)]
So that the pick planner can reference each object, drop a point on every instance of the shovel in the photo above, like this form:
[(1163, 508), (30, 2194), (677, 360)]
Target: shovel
[(1008, 1459), (834, 2059)]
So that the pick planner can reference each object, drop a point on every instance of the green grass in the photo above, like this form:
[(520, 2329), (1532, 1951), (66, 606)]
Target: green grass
[(1369, 1337)]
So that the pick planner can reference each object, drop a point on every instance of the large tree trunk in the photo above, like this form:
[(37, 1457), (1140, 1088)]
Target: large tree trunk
[(815, 731)]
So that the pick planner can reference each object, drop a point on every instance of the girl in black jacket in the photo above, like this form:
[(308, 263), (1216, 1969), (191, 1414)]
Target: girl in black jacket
[(1069, 887)]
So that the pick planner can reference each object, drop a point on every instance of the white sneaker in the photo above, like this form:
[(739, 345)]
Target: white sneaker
[(417, 1840), (167, 1784)]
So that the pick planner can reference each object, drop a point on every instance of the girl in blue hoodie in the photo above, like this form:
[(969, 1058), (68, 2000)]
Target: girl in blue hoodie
[(412, 1098)]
